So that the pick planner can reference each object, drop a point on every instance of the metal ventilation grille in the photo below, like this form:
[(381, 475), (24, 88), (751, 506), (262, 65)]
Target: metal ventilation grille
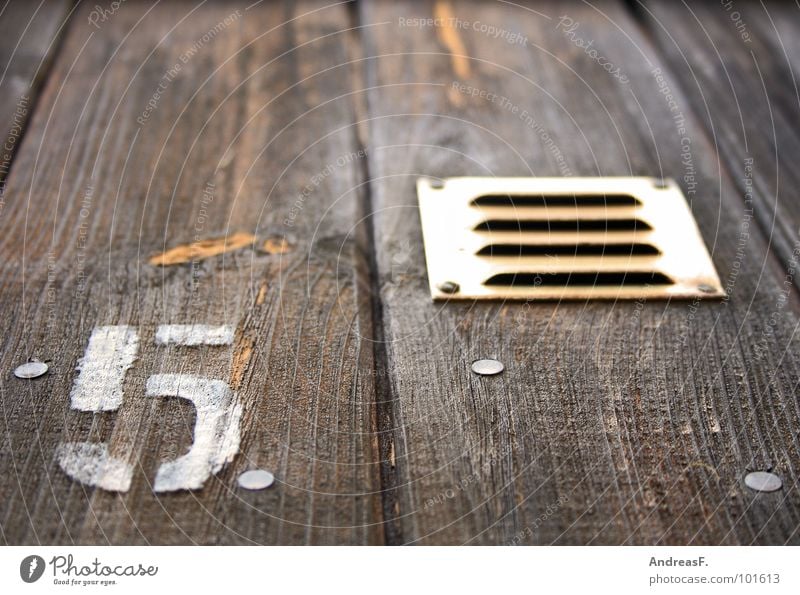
[(562, 238)]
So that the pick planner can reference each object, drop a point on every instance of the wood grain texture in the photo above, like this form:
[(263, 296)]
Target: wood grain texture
[(29, 35), (172, 124), (613, 423), (739, 66)]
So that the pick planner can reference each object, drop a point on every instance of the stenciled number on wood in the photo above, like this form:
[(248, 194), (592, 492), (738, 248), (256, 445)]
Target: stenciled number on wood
[(101, 372)]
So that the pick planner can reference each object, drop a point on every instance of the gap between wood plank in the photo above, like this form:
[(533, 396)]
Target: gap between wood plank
[(384, 397)]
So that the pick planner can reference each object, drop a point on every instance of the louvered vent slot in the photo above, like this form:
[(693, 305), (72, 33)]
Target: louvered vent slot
[(553, 250), (562, 238), (575, 200), (615, 279), (575, 225)]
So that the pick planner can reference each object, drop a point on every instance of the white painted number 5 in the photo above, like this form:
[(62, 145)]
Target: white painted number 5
[(98, 387)]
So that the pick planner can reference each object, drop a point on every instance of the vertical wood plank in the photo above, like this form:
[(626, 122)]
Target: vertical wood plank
[(173, 124), (613, 422)]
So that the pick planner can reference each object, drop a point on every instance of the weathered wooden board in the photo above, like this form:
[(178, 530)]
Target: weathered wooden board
[(29, 34), (739, 64), (165, 125), (613, 422)]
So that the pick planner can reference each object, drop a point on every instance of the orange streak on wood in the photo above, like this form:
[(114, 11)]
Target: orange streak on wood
[(450, 38), (276, 246), (262, 294), (241, 359), (202, 249)]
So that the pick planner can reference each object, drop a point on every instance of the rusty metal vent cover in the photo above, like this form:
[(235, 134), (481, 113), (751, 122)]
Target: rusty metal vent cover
[(562, 238)]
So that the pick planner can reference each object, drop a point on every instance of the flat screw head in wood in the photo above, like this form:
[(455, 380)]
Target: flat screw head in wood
[(487, 367), (256, 479), (31, 370), (448, 287), (705, 288), (762, 481)]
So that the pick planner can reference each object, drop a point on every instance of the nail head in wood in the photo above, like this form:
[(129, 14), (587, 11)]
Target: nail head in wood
[(763, 481), (31, 370), (256, 479), (487, 367)]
